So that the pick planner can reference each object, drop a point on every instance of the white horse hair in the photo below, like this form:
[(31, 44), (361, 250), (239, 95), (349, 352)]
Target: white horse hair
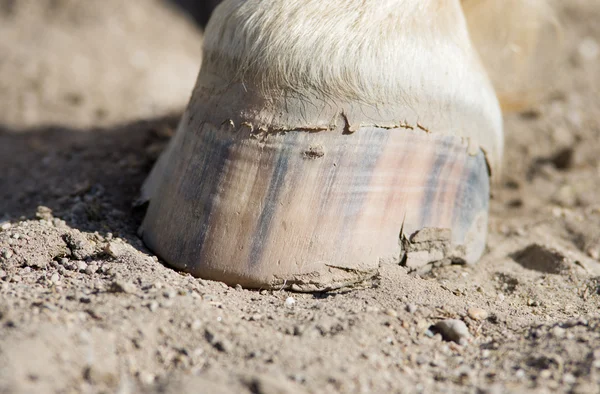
[(411, 54)]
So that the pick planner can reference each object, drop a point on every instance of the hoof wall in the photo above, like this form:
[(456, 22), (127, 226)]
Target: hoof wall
[(314, 211)]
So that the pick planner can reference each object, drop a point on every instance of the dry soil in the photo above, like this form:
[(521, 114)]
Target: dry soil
[(85, 307)]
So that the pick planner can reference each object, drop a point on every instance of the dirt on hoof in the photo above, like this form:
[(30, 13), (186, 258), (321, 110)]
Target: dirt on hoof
[(85, 307)]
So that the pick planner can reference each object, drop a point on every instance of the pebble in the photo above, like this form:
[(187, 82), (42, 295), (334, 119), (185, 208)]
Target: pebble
[(58, 222), (238, 287), (290, 302), (44, 213), (569, 378), (5, 226), (391, 312), (55, 278), (169, 293), (112, 250), (477, 313), (558, 332), (153, 306), (411, 308), (7, 254), (81, 266), (91, 269), (2, 274), (454, 330)]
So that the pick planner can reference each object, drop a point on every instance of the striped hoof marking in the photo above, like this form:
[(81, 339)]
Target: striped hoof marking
[(316, 211)]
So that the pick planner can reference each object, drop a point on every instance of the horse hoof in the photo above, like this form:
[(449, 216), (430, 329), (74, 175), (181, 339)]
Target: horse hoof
[(306, 172), (317, 210)]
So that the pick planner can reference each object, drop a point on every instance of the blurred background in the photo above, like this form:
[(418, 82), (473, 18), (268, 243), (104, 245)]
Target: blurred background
[(84, 63)]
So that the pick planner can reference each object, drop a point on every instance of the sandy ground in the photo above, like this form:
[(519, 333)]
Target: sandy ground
[(85, 307)]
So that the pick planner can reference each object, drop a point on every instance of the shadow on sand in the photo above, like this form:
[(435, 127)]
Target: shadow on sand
[(89, 178)]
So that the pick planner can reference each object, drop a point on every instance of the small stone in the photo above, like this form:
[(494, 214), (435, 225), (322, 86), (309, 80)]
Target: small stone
[(4, 226), (55, 278), (290, 302), (119, 286), (91, 269), (453, 330), (238, 287), (44, 213), (263, 292), (56, 222), (569, 378), (153, 306), (112, 250), (477, 313), (16, 236), (594, 252), (391, 313), (81, 266), (7, 254), (500, 297), (2, 274), (558, 332), (411, 308)]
